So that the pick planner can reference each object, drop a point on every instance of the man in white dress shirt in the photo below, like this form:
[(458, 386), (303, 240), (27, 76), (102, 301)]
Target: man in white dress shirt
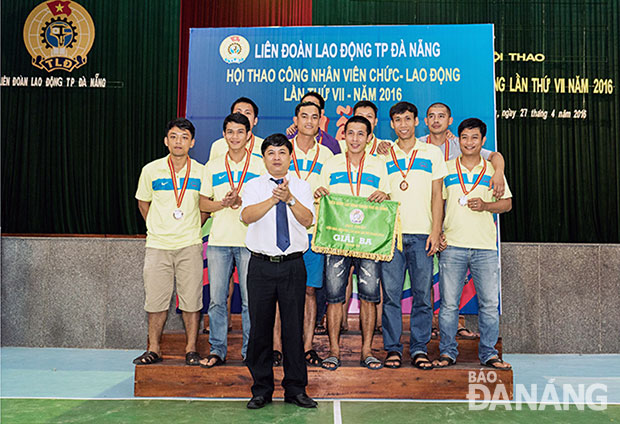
[(277, 207)]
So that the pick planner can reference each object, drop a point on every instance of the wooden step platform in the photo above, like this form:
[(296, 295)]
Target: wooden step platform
[(352, 321), (173, 346), (172, 378), (173, 343)]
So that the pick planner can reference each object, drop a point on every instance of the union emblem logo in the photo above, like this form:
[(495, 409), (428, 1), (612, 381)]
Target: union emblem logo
[(234, 49), (356, 216), (58, 35)]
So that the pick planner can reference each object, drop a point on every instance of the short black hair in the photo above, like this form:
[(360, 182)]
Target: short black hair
[(181, 123), (238, 118), (439, 104), (366, 103), (361, 120), (245, 100), (276, 140), (402, 107), (318, 96), (304, 104), (471, 123)]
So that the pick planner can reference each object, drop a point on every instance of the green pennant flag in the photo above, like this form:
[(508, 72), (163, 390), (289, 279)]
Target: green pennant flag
[(353, 226)]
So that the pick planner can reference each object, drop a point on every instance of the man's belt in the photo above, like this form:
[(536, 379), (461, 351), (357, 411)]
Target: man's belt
[(277, 259)]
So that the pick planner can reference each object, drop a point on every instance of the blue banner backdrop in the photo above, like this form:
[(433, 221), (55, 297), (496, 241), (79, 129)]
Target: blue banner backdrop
[(275, 66)]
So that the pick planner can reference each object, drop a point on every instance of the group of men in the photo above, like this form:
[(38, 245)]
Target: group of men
[(262, 195)]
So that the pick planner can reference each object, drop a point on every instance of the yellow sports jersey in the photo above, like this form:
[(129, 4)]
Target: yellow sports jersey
[(227, 229), (374, 177), (156, 186), (462, 226), (415, 200), (371, 146), (219, 147)]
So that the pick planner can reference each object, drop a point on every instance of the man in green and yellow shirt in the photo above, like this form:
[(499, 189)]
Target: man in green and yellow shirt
[(471, 236), (168, 196)]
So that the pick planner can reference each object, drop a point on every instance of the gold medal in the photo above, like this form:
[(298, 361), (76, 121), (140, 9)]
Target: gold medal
[(404, 185)]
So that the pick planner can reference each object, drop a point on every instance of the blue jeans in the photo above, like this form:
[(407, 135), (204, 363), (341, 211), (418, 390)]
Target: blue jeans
[(413, 258), (337, 276), (484, 267), (221, 260)]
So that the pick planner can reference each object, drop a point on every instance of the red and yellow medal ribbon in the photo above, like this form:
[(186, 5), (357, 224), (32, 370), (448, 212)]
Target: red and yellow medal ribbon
[(177, 197), (251, 148), (446, 147), (374, 145), (404, 174), (359, 174), (460, 173), (294, 156), (243, 173)]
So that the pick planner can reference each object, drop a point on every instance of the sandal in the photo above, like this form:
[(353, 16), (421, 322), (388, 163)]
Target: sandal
[(148, 358), (443, 358), (395, 357), (192, 358), (320, 330), (218, 361), (495, 360), (277, 358), (464, 333), (423, 359), (312, 358), (378, 330), (331, 363), (370, 361)]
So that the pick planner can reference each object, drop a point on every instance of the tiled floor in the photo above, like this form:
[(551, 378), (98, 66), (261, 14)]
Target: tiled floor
[(108, 374)]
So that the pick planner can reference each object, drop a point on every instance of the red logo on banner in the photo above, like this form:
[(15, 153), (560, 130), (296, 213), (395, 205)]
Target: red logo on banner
[(59, 7)]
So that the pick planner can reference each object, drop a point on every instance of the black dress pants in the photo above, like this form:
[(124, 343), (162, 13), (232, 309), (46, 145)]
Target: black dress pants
[(268, 283)]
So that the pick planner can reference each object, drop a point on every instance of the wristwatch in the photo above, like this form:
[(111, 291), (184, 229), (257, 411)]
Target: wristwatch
[(291, 202)]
